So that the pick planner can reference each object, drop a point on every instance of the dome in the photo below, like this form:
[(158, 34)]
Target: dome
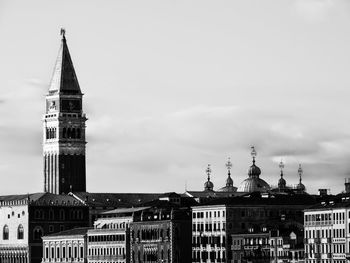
[(301, 187), (281, 183), (208, 185), (253, 184), (229, 181), (229, 185), (254, 170)]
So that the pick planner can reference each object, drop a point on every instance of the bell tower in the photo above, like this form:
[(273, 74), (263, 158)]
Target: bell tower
[(64, 129)]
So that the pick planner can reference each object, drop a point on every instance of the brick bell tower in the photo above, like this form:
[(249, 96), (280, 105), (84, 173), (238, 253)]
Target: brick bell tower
[(64, 129)]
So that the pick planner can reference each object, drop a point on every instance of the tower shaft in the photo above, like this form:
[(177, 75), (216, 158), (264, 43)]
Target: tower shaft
[(64, 130)]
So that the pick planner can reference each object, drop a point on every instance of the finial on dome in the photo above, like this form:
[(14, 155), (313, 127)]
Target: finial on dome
[(208, 185), (63, 33), (281, 166), (208, 171), (300, 172), (253, 153), (229, 165)]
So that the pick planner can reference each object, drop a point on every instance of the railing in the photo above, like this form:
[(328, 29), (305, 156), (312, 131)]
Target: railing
[(317, 240)]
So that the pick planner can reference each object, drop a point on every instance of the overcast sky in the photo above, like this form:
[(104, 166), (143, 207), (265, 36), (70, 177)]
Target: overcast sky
[(171, 86)]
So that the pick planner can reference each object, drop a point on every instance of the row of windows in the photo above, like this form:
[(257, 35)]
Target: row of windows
[(204, 255), (325, 217), (67, 133), (74, 214), (210, 227), (245, 213), (119, 251), (324, 261), (153, 257), (219, 241), (324, 248), (51, 133), (104, 238), (116, 226), (325, 233), (13, 214), (153, 234), (251, 241), (71, 133), (63, 253), (208, 214), (6, 232)]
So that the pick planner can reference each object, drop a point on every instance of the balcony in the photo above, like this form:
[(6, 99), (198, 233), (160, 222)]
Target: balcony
[(317, 255), (317, 240), (338, 240)]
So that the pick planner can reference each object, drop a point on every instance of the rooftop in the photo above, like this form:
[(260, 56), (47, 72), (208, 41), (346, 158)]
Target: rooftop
[(72, 232)]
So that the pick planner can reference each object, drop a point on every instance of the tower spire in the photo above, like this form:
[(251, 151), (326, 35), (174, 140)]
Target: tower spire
[(63, 33), (64, 79)]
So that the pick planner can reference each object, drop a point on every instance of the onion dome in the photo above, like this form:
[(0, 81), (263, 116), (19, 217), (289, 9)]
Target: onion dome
[(281, 181), (253, 183), (208, 185), (254, 171), (229, 182), (300, 185)]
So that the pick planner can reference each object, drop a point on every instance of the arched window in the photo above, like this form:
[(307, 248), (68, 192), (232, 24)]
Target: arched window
[(20, 232), (38, 233), (64, 132), (62, 214), (78, 133), (5, 233), (51, 214), (73, 133), (68, 133)]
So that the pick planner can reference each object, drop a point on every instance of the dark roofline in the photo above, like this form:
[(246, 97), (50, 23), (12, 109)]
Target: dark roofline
[(81, 231)]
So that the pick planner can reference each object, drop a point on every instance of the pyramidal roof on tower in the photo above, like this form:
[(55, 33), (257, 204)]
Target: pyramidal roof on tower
[(64, 79)]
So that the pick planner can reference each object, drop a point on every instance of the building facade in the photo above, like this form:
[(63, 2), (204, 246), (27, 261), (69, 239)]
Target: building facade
[(24, 219), (161, 234), (214, 224), (209, 234), (327, 232), (109, 240), (66, 246)]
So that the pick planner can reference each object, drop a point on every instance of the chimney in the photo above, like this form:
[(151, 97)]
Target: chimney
[(347, 185)]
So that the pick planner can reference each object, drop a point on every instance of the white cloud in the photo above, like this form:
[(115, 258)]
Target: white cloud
[(314, 10)]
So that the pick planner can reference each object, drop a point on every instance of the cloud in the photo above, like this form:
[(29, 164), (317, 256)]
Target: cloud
[(314, 10), (175, 147)]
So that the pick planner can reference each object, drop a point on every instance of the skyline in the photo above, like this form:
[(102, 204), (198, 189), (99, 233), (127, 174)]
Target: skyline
[(173, 86)]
